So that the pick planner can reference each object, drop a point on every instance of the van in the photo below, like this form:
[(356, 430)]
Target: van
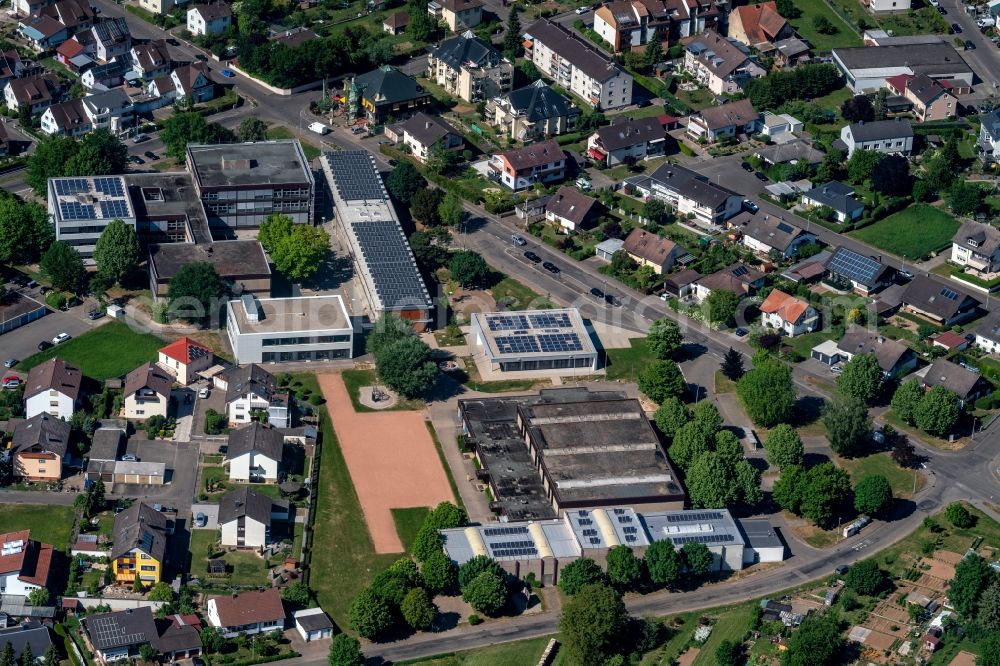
[(319, 128)]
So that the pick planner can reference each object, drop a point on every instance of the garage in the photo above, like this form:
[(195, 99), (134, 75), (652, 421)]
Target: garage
[(140, 473)]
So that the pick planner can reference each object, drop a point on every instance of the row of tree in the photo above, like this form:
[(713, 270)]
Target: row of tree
[(661, 566)]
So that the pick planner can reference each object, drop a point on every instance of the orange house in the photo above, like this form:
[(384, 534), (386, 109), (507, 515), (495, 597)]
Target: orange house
[(41, 447)]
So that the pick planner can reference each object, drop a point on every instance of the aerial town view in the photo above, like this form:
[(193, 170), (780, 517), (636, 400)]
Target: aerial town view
[(500, 332)]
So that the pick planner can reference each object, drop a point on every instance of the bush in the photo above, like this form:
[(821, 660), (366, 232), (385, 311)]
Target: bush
[(959, 516), (475, 619), (215, 423)]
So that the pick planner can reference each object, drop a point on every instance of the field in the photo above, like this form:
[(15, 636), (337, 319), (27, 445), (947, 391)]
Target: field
[(408, 522), (912, 233), (901, 480), (89, 352), (49, 523), (845, 35), (625, 363), (803, 344), (517, 652)]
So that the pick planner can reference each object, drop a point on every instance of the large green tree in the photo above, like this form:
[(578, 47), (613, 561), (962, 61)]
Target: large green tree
[(117, 251), (593, 624), (989, 607), (370, 615), (722, 305), (98, 153), (865, 577), (475, 566), (345, 651), (407, 367), (425, 206), (63, 266), (660, 380), (671, 416), (861, 165), (252, 128), (848, 426), (697, 558), (25, 230), (404, 181), (469, 268), (718, 480), (49, 160), (989, 650), (624, 568), (972, 576), (580, 572), (691, 440), (827, 491), (905, 400), (486, 593), (664, 338), (663, 563), (861, 378), (817, 642), (788, 489), (784, 446), (873, 495), (937, 412), (196, 291), (439, 572), (387, 330), (451, 210), (187, 127), (417, 609), (767, 391), (298, 250)]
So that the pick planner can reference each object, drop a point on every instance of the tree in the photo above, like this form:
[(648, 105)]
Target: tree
[(117, 251), (404, 181), (707, 414), (722, 305), (879, 106), (767, 391), (664, 338), (296, 593), (580, 572), (451, 210), (63, 266), (298, 250), (486, 593), (784, 446), (697, 558), (788, 489), (49, 160), (252, 129), (51, 657), (663, 563), (512, 38), (857, 109), (147, 653), (425, 206), (691, 440), (937, 411), (989, 607), (624, 568), (93, 500), (906, 399), (660, 380), (727, 653), (732, 364), (430, 248), (872, 495), (972, 576), (345, 651), (788, 9), (187, 127), (861, 378), (439, 572), (211, 639), (717, 479), (831, 168), (592, 625), (817, 642), (826, 493), (959, 516), (654, 51), (903, 452), (891, 175), (848, 426), (964, 198), (989, 650), (654, 210), (387, 330), (391, 586), (25, 231), (475, 566), (468, 268), (39, 597), (27, 658), (866, 578), (161, 592), (671, 416), (862, 164), (417, 609), (7, 655), (370, 615), (407, 367), (196, 291)]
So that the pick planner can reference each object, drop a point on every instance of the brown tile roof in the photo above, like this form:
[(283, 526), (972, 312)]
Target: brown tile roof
[(535, 155), (736, 278), (35, 89), (762, 22), (731, 57), (953, 377), (69, 114), (188, 74), (32, 562), (250, 607), (42, 433), (571, 204), (255, 437), (649, 246), (214, 11), (55, 374), (736, 113), (460, 5), (568, 46), (151, 376), (784, 305), (397, 20), (888, 352)]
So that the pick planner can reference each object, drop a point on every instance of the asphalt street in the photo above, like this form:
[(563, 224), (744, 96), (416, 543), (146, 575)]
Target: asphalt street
[(985, 58)]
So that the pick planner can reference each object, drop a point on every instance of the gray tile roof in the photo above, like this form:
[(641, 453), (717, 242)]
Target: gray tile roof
[(767, 229), (387, 85), (255, 437), (250, 503), (888, 352), (126, 628), (881, 130), (140, 526), (934, 59), (569, 47), (465, 50), (624, 132), (835, 195), (936, 297), (981, 238), (953, 377), (691, 185), (538, 101), (427, 130), (42, 433)]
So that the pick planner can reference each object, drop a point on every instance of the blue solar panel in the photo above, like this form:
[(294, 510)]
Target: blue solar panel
[(110, 186), (550, 320), (70, 186), (517, 344), (73, 210), (114, 209), (854, 266), (559, 342)]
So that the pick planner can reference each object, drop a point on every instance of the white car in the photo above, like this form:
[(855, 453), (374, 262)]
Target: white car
[(582, 10), (203, 393), (61, 338)]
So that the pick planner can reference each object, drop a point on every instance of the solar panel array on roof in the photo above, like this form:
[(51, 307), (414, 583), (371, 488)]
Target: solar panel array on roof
[(391, 264), (70, 186), (694, 517), (355, 176), (506, 322), (550, 320), (517, 344), (504, 531), (111, 186), (116, 208), (531, 333), (784, 227), (559, 342), (740, 270), (109, 632), (704, 538), (854, 266), (949, 294), (74, 210)]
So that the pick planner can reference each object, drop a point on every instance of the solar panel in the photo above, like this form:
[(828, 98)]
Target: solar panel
[(784, 227), (550, 320), (949, 294), (585, 521), (854, 266), (704, 538), (116, 208), (71, 186), (517, 344), (506, 322), (740, 270), (391, 264), (559, 342), (354, 175), (502, 531), (694, 517), (112, 187), (74, 210)]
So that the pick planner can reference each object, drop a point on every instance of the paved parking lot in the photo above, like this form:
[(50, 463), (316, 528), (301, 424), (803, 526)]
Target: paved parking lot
[(23, 342)]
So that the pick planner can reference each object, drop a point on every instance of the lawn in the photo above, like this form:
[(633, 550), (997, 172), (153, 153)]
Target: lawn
[(408, 523), (246, 568), (803, 344), (845, 35), (216, 474), (278, 132), (625, 363), (89, 352), (724, 384), (48, 523), (517, 652), (912, 233), (901, 480), (697, 99), (731, 624), (341, 543), (445, 465), (355, 379), (517, 296)]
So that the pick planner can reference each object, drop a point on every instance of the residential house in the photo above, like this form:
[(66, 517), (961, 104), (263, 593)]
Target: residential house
[(727, 120), (251, 389), (147, 392), (721, 65), (739, 279), (689, 193), (254, 453), (793, 151), (110, 110), (976, 247), (178, 637), (987, 333), (35, 92), (969, 386), (459, 15), (767, 234), (759, 26), (837, 197), (161, 91), (951, 341), (25, 564), (792, 316), (693, 17), (935, 299), (11, 66), (388, 93), (681, 283), (866, 68), (989, 136), (879, 7), (76, 15), (312, 624), (533, 112), (422, 132), (931, 99), (66, 119), (577, 66), (151, 59), (40, 447), (246, 518), (790, 52), (469, 68), (247, 613), (192, 82), (29, 7), (43, 33), (5, 142), (571, 209), (895, 358), (160, 7), (395, 24), (775, 125), (626, 140), (521, 168), (118, 636), (139, 545), (53, 387), (103, 76), (212, 19), (626, 24), (30, 635), (649, 249), (111, 39), (184, 359), (886, 136), (859, 272)]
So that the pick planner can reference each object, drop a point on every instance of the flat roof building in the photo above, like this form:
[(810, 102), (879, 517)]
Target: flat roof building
[(241, 263), (565, 449), (866, 68), (269, 330), (241, 184), (383, 261), (534, 340), (81, 208)]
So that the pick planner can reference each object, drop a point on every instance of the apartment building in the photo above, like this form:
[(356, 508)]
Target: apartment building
[(469, 68)]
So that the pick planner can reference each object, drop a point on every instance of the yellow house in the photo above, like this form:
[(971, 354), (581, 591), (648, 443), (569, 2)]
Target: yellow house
[(40, 447), (140, 541)]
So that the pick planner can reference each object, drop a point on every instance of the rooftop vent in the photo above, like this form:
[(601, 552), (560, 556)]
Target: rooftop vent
[(251, 307)]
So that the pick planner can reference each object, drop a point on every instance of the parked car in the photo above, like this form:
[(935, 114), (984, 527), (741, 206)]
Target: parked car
[(750, 206), (597, 292), (550, 267), (582, 10), (95, 314), (956, 28), (10, 363), (151, 155), (532, 257), (200, 520), (747, 167), (139, 138), (203, 393), (942, 11), (135, 159), (61, 338), (11, 382), (130, 457), (741, 332), (518, 240), (43, 345), (841, 570), (906, 275), (611, 299), (201, 57), (228, 73), (835, 369), (761, 176), (969, 45)]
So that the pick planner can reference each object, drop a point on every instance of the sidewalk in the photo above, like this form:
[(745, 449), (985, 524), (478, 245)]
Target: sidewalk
[(442, 415)]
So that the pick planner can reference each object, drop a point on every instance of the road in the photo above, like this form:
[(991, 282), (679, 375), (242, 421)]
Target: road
[(985, 58)]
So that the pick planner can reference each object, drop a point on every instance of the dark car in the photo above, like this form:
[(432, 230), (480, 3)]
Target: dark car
[(747, 167), (956, 28), (942, 11), (95, 314), (173, 42), (201, 57), (760, 176), (532, 257), (43, 345), (969, 45), (597, 292), (741, 332), (135, 159), (841, 570), (550, 267), (151, 155), (611, 299)]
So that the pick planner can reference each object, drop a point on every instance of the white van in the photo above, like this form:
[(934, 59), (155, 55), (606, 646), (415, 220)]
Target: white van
[(319, 128)]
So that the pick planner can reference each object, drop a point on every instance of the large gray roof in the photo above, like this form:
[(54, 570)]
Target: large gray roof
[(140, 526), (259, 163), (692, 185), (126, 628), (247, 502), (936, 297), (465, 50), (538, 101), (42, 432), (934, 59), (836, 195), (255, 437), (569, 47), (879, 130), (980, 238)]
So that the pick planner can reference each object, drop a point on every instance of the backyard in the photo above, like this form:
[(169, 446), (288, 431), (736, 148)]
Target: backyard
[(244, 568), (912, 233), (805, 26), (626, 362), (48, 523), (89, 352)]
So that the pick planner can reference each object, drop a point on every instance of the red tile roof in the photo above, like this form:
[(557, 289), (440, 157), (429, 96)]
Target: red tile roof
[(250, 607), (784, 305), (950, 340), (32, 562)]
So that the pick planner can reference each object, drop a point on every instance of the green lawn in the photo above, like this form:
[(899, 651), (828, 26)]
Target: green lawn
[(901, 480), (912, 233), (724, 384), (91, 351), (518, 652), (803, 344), (48, 523), (343, 557), (625, 362), (845, 35), (731, 624), (217, 473), (518, 296), (408, 523), (246, 568), (355, 379), (445, 465), (697, 99)]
